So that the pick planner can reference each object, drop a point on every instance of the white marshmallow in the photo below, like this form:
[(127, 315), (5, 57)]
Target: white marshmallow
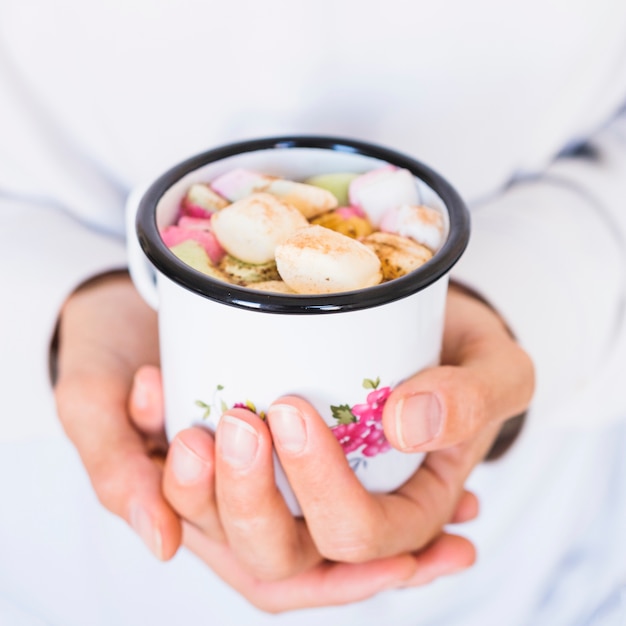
[(311, 201), (308, 199), (382, 189), (251, 228), (421, 223), (317, 260)]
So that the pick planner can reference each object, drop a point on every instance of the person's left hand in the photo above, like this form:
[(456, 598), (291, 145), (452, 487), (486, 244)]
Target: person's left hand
[(238, 523), (351, 544)]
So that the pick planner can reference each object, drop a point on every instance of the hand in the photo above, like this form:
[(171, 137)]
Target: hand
[(241, 526), (106, 332), (485, 378)]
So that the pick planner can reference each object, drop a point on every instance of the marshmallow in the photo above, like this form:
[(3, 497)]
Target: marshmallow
[(193, 254), (175, 234), (317, 260), (200, 201), (239, 183), (382, 189), (398, 255), (340, 220), (308, 199), (251, 228), (194, 223), (421, 223), (337, 183)]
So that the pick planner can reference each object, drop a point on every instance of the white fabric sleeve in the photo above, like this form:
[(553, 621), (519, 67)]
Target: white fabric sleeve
[(44, 255), (549, 254)]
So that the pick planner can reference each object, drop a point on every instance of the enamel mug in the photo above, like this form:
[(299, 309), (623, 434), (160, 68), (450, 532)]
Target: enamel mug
[(223, 345)]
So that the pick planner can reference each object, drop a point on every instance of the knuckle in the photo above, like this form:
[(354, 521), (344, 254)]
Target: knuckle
[(355, 543), (242, 508), (191, 502), (268, 562)]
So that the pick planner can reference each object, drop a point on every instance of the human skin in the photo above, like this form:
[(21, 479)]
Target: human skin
[(217, 495)]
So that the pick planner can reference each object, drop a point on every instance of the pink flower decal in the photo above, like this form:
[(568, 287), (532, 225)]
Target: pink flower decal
[(360, 427)]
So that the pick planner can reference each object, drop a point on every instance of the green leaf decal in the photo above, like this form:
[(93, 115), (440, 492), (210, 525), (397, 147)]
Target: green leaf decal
[(343, 414), (368, 383), (206, 407)]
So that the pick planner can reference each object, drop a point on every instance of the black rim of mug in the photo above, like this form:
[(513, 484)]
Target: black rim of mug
[(246, 298)]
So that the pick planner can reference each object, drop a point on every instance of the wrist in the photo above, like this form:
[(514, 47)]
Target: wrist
[(104, 328), (511, 427), (94, 281)]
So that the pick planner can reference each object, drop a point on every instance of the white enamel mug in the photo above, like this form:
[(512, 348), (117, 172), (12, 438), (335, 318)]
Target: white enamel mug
[(223, 345)]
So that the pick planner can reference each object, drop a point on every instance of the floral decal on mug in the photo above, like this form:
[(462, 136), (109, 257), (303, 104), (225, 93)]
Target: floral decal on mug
[(219, 405), (359, 428)]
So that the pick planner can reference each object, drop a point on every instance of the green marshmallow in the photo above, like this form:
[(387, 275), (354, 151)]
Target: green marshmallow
[(337, 183), (193, 254)]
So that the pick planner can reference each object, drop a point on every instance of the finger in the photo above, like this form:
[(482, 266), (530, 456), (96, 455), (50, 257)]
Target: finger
[(332, 584), (346, 522), (261, 530), (447, 555), (146, 401), (342, 517), (467, 509), (486, 378), (125, 479), (189, 480)]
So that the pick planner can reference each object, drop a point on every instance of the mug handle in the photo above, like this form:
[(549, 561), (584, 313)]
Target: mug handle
[(141, 271)]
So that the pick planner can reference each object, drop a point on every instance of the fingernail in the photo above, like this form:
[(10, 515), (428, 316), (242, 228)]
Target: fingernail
[(238, 442), (287, 426), (188, 466), (142, 525), (418, 419)]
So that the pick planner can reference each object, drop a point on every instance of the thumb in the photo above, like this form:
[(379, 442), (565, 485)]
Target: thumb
[(486, 378)]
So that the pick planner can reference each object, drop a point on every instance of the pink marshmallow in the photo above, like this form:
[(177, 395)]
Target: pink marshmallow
[(194, 223), (239, 183), (173, 235), (200, 201), (194, 210)]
